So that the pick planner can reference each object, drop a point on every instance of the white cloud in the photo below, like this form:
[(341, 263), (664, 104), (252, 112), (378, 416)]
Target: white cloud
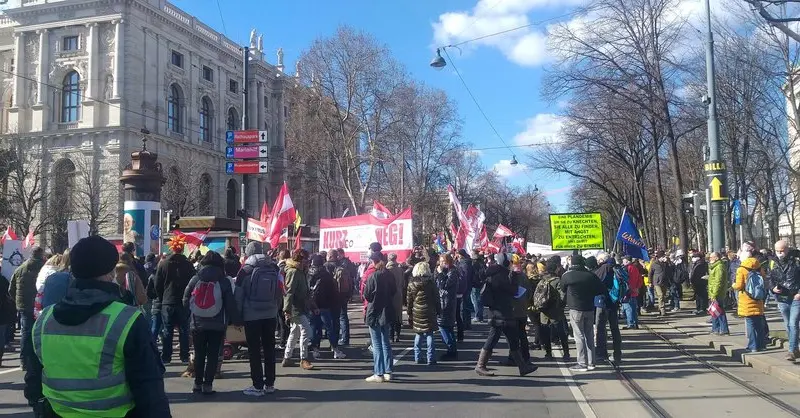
[(504, 168), (526, 47), (542, 128)]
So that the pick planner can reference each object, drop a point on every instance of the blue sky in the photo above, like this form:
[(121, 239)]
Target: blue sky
[(504, 72)]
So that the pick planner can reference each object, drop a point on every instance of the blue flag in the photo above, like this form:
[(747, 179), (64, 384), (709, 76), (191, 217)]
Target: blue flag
[(632, 243)]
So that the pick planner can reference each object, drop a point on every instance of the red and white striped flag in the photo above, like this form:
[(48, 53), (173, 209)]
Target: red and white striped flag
[(9, 234), (283, 215), (456, 205), (503, 231), (193, 238), (29, 241), (379, 211)]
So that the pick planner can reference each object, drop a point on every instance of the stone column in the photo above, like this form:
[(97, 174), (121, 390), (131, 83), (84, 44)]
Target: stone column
[(119, 66), (91, 51), (44, 55), (19, 68), (260, 105)]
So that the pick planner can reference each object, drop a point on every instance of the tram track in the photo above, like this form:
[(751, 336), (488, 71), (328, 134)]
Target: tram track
[(658, 410)]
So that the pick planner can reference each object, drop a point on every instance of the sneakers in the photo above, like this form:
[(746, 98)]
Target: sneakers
[(374, 379), (790, 357), (579, 368), (287, 362), (306, 365), (269, 390), (315, 353), (590, 367), (338, 354), (197, 388), (208, 389), (387, 377), (253, 391)]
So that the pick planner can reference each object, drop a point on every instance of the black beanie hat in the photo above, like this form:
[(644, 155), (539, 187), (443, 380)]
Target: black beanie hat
[(375, 247), (92, 257), (317, 260)]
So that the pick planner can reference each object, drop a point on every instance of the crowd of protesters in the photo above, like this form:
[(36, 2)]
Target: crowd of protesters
[(282, 300)]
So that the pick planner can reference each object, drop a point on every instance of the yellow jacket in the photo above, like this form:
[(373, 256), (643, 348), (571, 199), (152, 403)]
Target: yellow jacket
[(646, 277), (747, 306)]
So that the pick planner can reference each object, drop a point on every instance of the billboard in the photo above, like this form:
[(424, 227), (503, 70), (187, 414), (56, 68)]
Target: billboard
[(355, 233), (576, 231)]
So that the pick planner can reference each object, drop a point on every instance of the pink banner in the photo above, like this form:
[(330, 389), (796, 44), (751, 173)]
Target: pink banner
[(355, 233)]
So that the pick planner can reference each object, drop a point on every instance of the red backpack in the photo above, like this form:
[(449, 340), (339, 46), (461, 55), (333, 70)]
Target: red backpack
[(206, 301)]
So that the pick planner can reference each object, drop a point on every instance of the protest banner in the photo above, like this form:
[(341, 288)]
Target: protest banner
[(355, 233), (576, 231)]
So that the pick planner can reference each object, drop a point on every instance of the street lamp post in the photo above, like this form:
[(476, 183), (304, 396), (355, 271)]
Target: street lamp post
[(715, 169)]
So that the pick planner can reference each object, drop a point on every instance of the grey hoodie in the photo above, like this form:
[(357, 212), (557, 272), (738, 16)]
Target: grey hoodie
[(252, 310), (228, 312)]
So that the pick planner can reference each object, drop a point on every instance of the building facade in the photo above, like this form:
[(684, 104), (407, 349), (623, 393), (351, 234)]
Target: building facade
[(84, 79)]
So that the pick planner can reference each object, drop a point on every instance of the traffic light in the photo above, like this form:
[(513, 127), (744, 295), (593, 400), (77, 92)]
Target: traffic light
[(698, 204), (173, 222), (688, 203), (242, 213)]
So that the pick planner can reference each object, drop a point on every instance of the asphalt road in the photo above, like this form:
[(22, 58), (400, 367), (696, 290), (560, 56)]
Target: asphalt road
[(337, 387)]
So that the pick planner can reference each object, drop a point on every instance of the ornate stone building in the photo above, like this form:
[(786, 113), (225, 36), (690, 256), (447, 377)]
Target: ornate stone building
[(83, 78)]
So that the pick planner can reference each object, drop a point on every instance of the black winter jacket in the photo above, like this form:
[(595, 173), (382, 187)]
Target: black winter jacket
[(503, 288), (785, 275), (466, 273), (172, 276), (229, 312), (423, 304), (144, 372), (447, 282), (323, 289), (379, 291), (580, 287)]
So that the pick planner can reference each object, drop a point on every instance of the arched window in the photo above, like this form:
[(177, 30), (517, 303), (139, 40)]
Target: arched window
[(71, 97), (206, 119), (62, 202), (204, 203), (174, 109), (233, 119), (230, 198)]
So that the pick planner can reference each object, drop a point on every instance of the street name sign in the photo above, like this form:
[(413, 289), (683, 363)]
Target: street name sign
[(246, 137), (246, 152), (246, 167)]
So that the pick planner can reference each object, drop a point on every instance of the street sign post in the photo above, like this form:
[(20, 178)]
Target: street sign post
[(246, 167), (717, 176), (737, 212), (246, 137), (246, 152)]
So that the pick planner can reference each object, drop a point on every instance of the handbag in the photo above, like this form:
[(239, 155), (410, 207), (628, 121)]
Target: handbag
[(714, 309)]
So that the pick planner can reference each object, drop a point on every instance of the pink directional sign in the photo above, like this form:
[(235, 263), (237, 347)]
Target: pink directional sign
[(246, 152)]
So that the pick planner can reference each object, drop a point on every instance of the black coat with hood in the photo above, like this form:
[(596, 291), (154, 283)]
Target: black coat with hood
[(785, 275), (324, 289), (503, 288), (172, 277), (144, 372)]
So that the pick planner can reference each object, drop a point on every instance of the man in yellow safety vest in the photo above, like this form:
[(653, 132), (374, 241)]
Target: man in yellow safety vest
[(95, 356)]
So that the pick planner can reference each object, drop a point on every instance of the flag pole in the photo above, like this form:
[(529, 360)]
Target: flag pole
[(621, 219)]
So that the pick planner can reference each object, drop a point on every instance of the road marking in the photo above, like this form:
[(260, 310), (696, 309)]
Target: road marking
[(573, 387), (11, 370), (402, 353)]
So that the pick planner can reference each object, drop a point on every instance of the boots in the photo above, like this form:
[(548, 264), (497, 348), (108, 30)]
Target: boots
[(525, 368), (483, 358)]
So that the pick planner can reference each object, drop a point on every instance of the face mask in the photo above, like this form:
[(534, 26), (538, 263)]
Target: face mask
[(743, 255), (678, 260), (781, 255), (695, 259)]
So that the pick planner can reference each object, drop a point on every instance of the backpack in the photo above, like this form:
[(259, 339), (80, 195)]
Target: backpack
[(619, 287), (206, 301), (264, 284), (342, 279), (128, 293), (544, 296), (754, 285)]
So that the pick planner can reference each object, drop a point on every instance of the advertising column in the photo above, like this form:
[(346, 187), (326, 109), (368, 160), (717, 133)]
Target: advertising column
[(142, 180)]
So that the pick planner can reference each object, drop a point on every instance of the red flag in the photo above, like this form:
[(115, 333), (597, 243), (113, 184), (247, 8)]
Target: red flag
[(519, 245), (9, 234), (283, 215), (194, 238), (503, 231), (379, 211), (484, 238), (264, 212), (29, 240), (456, 205), (297, 244)]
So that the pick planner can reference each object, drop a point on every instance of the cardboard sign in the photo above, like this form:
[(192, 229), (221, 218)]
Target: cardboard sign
[(576, 231)]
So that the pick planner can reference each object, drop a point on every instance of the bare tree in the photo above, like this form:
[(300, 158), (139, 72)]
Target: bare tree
[(23, 181), (95, 197), (184, 192), (357, 78)]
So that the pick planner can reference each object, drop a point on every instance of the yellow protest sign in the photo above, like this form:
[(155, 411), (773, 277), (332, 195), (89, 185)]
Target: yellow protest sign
[(576, 231)]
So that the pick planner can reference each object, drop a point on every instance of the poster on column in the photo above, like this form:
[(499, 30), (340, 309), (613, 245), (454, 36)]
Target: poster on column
[(141, 226), (355, 233)]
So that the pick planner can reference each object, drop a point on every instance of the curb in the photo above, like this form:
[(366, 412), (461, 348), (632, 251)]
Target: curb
[(763, 362)]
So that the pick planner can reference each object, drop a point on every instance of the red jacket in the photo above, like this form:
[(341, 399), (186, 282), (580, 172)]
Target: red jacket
[(635, 280)]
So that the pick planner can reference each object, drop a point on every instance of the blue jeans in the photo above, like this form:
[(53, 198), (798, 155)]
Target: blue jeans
[(428, 336), (26, 343), (791, 319), (631, 309), (174, 316), (344, 326), (449, 338), (651, 296), (720, 323), (475, 295), (381, 350), (675, 293), (756, 332), (324, 319), (156, 323)]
